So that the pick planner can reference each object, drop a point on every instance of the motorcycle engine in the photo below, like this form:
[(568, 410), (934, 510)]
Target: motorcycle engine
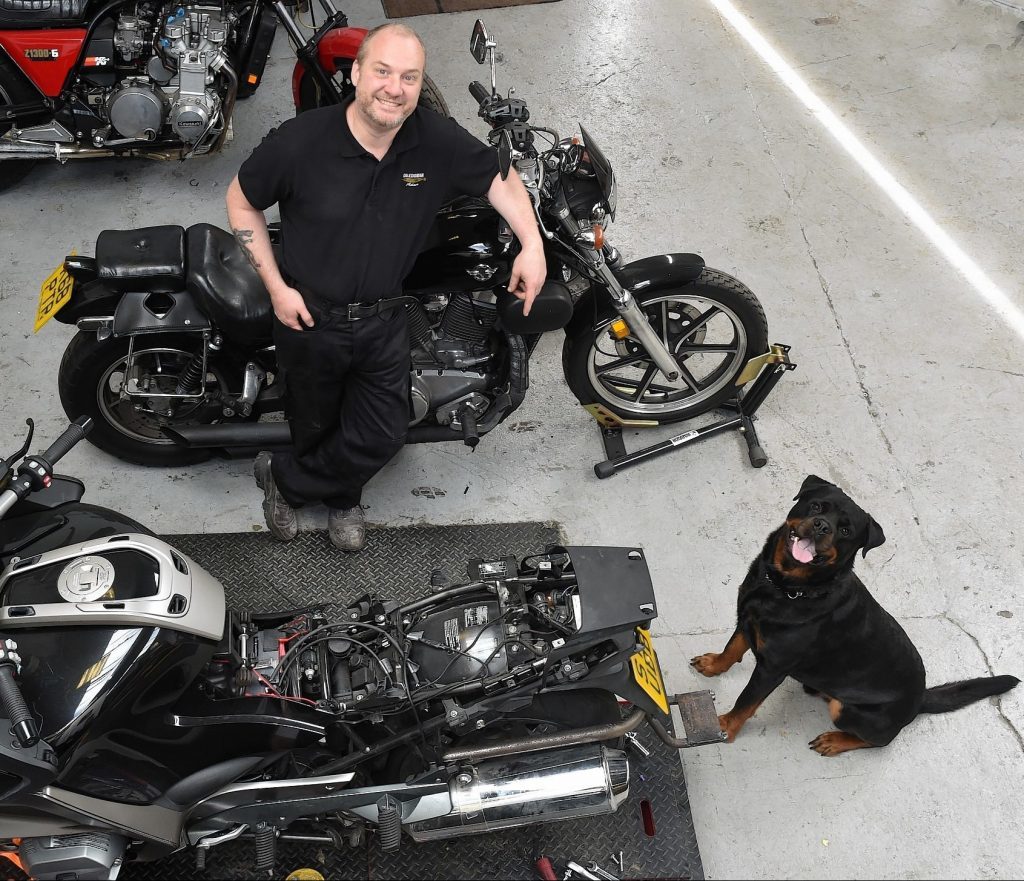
[(178, 85), (193, 45), (451, 342)]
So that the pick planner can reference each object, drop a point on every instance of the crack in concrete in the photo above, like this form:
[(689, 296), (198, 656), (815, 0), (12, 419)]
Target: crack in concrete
[(823, 61), (614, 73), (861, 384), (945, 616), (991, 370)]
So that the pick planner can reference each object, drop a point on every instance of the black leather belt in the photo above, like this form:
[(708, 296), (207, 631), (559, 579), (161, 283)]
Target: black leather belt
[(358, 311), (351, 311)]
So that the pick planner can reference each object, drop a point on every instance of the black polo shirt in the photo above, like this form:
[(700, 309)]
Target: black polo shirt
[(351, 225)]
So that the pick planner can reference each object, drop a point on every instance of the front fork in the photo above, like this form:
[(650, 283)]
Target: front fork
[(589, 246), (626, 305)]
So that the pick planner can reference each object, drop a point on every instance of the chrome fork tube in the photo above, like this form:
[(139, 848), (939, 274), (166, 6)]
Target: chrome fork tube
[(625, 304), (285, 17)]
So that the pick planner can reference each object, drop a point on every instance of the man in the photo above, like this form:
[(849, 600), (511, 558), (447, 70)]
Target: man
[(358, 186)]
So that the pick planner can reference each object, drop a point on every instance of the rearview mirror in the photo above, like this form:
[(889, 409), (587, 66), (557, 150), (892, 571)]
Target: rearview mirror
[(479, 42)]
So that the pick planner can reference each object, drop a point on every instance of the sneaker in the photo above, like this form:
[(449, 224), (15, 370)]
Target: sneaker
[(280, 516), (347, 528)]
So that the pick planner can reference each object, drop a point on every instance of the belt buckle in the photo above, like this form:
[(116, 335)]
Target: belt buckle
[(348, 310)]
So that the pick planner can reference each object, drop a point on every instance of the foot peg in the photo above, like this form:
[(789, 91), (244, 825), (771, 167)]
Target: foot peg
[(700, 717)]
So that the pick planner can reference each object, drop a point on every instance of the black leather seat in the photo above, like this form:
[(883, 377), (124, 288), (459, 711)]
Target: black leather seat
[(225, 285), (27, 14)]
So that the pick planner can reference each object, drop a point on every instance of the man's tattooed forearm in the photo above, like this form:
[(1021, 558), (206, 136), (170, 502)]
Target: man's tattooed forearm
[(244, 237)]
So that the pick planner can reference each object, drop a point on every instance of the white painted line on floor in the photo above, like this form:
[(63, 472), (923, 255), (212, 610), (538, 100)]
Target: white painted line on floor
[(916, 214)]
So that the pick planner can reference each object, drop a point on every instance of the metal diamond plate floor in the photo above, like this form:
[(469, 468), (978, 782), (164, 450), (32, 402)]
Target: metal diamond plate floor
[(259, 573)]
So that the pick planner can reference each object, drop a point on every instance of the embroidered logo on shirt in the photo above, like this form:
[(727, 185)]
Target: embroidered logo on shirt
[(414, 179)]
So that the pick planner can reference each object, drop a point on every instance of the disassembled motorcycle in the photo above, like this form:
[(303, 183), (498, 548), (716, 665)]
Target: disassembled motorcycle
[(141, 717), (174, 358), (87, 78)]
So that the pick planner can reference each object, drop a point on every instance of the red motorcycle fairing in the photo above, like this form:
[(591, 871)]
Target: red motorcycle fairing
[(45, 55), (336, 45)]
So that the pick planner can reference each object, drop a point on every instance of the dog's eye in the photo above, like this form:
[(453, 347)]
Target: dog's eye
[(845, 530), (815, 507)]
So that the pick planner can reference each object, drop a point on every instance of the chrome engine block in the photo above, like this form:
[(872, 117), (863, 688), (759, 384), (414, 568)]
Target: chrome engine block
[(179, 87)]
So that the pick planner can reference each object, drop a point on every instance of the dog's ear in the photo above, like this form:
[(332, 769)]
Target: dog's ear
[(875, 537), (811, 481)]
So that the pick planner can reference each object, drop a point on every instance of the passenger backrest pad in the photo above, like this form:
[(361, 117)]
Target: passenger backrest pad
[(148, 259)]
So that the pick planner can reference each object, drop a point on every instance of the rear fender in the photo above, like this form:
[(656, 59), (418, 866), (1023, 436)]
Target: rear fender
[(639, 277), (91, 299)]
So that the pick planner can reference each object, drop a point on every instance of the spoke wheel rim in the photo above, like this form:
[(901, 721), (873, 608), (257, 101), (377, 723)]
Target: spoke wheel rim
[(707, 339)]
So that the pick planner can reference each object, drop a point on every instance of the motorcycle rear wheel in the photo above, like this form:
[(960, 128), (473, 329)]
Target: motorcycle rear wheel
[(311, 96), (89, 382), (13, 90), (712, 326)]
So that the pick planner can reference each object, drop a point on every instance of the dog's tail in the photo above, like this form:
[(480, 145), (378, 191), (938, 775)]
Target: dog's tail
[(954, 695)]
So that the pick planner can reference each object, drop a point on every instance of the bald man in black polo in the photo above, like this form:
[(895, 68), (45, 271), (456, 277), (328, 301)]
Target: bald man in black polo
[(358, 186)]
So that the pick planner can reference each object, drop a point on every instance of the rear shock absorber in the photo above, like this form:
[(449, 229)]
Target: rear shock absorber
[(188, 381), (389, 824), (266, 847)]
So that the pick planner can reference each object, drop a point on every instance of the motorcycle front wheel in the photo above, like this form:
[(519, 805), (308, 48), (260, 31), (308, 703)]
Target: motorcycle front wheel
[(90, 381), (711, 326), (311, 96), (13, 90)]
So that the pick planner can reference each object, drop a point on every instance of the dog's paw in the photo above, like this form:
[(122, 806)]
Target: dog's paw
[(709, 665), (729, 726), (833, 743)]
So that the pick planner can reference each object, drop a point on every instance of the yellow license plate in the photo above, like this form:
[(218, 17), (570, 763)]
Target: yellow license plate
[(647, 670), (53, 295)]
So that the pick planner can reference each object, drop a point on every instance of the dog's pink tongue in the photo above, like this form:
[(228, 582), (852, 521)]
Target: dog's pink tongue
[(803, 550)]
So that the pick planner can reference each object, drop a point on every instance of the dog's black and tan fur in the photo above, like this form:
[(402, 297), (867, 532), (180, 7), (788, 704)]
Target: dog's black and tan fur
[(804, 613)]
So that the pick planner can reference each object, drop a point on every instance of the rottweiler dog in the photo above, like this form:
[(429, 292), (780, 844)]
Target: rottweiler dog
[(804, 613)]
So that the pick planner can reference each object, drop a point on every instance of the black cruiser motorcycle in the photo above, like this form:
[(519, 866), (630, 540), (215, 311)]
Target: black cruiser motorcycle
[(140, 717), (153, 78), (174, 360)]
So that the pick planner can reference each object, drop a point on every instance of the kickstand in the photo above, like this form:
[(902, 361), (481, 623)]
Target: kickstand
[(753, 385)]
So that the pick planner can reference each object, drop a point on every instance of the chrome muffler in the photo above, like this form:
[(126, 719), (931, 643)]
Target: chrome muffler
[(522, 790)]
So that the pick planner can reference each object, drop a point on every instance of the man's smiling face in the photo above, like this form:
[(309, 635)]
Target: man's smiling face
[(388, 83)]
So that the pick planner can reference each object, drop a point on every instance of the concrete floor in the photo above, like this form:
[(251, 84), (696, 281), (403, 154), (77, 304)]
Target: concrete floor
[(907, 392)]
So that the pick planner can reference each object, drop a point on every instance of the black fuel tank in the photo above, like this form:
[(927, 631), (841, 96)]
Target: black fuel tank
[(462, 252)]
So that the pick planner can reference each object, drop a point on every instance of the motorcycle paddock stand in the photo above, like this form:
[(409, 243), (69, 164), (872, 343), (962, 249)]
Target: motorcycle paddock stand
[(761, 374)]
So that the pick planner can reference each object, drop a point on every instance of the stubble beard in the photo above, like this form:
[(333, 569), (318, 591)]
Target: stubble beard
[(369, 109)]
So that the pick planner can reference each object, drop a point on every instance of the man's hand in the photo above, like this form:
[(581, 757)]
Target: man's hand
[(290, 308), (528, 273)]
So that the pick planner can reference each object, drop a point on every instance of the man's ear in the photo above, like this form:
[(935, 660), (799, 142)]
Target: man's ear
[(354, 74), (812, 481), (875, 537)]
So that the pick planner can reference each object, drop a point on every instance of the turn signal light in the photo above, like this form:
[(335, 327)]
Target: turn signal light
[(598, 237), (619, 329)]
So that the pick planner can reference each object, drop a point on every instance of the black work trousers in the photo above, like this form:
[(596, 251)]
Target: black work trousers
[(348, 403)]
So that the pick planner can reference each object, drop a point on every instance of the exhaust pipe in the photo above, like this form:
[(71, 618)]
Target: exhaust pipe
[(63, 152), (523, 790), (249, 436)]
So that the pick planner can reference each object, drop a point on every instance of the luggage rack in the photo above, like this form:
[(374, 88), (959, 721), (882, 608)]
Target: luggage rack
[(761, 374)]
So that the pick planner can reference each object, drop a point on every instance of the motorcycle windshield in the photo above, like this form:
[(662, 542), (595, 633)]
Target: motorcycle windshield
[(602, 170)]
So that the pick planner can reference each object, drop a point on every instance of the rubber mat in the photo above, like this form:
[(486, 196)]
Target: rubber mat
[(653, 829)]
